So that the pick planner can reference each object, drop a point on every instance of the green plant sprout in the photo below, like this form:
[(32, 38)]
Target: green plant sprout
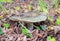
[(49, 38), (3, 1), (0, 28), (1, 7), (53, 39), (43, 27), (6, 25), (37, 27), (29, 7), (58, 11), (1, 32), (50, 18), (25, 32), (55, 2), (18, 8), (10, 1), (58, 21), (42, 6)]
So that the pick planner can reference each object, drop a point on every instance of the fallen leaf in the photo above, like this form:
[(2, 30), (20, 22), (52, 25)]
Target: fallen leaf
[(56, 29), (58, 11)]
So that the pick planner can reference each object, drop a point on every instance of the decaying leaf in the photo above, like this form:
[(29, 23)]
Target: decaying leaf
[(58, 11), (1, 17), (56, 29)]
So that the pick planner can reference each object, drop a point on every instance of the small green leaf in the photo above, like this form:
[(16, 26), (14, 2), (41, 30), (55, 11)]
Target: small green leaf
[(45, 10), (3, 1), (42, 3), (40, 8), (29, 7), (0, 28), (6, 25), (1, 33), (58, 21), (53, 39), (43, 27), (29, 35), (55, 2), (1, 7), (37, 27), (58, 11), (10, 1), (18, 8), (48, 37), (50, 18), (25, 32)]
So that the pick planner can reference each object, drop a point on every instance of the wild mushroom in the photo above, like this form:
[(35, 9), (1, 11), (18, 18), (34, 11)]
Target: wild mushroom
[(30, 17)]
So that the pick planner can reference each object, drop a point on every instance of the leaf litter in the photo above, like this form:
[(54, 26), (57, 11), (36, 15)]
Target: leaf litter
[(29, 20)]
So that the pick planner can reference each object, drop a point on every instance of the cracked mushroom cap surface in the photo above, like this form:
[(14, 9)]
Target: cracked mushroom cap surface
[(32, 16)]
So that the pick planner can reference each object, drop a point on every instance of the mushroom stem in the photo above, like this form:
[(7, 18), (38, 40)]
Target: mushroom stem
[(30, 26)]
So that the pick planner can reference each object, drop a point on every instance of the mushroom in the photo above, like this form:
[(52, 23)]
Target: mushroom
[(30, 17)]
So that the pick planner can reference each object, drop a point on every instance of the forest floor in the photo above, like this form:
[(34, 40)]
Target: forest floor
[(19, 29)]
